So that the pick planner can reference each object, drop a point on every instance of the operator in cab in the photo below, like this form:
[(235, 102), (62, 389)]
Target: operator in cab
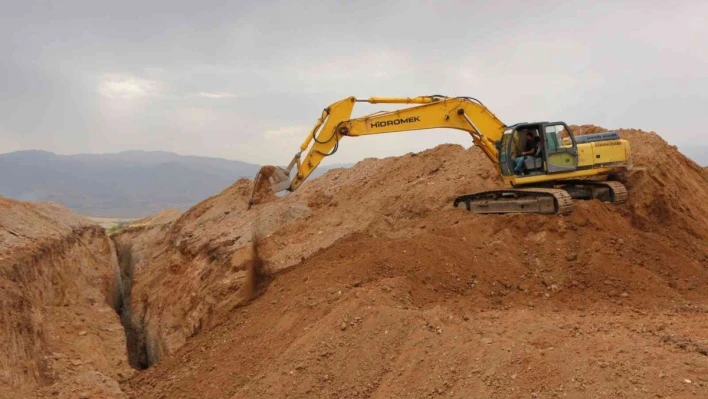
[(530, 148)]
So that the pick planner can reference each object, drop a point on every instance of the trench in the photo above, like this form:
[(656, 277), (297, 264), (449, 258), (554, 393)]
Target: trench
[(142, 346), (135, 333)]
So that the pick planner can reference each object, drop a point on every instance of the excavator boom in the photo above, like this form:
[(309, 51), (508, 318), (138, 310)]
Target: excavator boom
[(429, 112)]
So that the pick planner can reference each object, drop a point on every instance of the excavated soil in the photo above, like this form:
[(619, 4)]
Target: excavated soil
[(374, 286), (367, 283), (59, 331)]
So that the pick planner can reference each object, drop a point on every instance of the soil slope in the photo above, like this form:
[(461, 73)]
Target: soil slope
[(377, 288), (59, 333)]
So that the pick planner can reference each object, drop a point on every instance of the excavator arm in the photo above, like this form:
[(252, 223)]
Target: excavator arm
[(428, 112)]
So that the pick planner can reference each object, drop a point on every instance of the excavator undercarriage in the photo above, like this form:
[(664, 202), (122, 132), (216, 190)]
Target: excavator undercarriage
[(521, 200), (541, 199)]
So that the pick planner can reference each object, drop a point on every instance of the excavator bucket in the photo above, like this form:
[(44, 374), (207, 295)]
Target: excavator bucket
[(268, 181)]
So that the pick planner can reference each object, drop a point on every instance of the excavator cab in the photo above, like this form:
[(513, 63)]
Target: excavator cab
[(556, 150)]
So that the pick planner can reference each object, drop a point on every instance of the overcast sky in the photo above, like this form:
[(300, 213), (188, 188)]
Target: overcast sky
[(247, 79)]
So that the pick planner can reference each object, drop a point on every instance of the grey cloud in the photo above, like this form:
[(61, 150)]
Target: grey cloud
[(218, 78)]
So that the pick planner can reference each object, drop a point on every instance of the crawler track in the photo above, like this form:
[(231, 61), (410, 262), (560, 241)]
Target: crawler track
[(618, 191), (542, 200), (606, 191), (521, 200)]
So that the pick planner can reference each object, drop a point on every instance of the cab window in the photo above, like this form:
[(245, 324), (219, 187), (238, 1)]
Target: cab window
[(557, 136)]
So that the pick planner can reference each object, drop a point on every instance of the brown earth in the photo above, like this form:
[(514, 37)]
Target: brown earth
[(59, 333), (376, 287), (366, 283), (198, 263)]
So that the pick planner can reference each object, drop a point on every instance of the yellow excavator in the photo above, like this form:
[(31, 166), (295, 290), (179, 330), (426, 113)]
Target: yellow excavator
[(557, 167)]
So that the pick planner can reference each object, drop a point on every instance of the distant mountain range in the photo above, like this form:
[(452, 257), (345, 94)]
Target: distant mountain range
[(125, 184)]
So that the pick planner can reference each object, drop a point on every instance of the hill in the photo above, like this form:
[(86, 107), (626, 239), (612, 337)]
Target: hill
[(125, 184), (366, 283), (60, 333)]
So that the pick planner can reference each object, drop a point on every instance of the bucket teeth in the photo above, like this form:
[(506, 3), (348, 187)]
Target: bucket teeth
[(275, 178)]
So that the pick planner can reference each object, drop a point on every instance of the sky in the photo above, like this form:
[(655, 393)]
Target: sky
[(247, 80)]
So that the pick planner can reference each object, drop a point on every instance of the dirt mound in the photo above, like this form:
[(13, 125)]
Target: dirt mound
[(454, 311), (667, 189), (198, 262), (396, 294), (59, 331)]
